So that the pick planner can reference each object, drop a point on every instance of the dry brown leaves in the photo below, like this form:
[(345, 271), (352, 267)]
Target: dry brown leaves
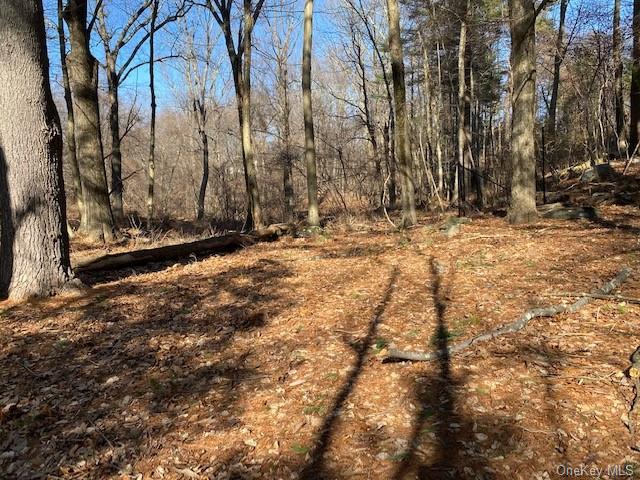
[(261, 364)]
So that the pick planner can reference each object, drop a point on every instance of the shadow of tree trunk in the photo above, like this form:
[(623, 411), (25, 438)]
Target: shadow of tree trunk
[(315, 468), (7, 231)]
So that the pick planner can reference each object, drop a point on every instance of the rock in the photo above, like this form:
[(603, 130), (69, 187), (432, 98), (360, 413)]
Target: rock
[(452, 225), (603, 171), (571, 213)]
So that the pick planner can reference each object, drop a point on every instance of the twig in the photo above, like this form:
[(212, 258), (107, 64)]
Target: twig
[(384, 199), (630, 159), (519, 324)]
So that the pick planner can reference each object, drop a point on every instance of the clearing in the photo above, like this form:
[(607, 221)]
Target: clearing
[(263, 363)]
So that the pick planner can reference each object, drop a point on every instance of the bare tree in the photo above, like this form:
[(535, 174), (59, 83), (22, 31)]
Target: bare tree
[(557, 63), (151, 162), (83, 77), (240, 59), (403, 152), (463, 102), (34, 246), (134, 34), (309, 138), (281, 41), (200, 74), (70, 140), (618, 71)]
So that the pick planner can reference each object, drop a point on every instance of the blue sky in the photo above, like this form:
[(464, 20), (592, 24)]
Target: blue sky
[(168, 76), (325, 36)]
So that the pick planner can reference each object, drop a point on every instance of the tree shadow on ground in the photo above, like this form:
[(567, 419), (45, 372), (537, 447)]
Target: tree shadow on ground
[(143, 365), (315, 468), (439, 417)]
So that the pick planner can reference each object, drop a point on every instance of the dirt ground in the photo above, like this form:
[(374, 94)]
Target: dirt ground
[(264, 363)]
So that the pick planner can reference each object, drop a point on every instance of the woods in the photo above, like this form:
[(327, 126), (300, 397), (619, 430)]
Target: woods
[(319, 238)]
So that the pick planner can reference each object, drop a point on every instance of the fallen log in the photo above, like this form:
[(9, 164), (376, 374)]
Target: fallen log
[(220, 244), (391, 353)]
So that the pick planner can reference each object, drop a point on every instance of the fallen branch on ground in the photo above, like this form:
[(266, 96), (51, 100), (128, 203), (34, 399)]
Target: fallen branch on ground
[(519, 324), (221, 244), (596, 296)]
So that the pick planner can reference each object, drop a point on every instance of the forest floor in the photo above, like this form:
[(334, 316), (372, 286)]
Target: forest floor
[(264, 363)]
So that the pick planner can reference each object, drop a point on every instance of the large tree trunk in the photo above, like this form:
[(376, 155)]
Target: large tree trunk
[(34, 246), (523, 61), (83, 77), (309, 138), (113, 83), (69, 137), (403, 152), (634, 124), (619, 92), (557, 63)]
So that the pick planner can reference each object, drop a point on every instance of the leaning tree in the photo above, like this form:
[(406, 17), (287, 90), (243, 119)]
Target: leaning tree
[(34, 247)]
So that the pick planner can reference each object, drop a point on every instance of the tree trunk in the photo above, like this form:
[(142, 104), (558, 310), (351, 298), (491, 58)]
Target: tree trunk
[(462, 103), (113, 83), (69, 137), (437, 124), (83, 77), (635, 80), (618, 73), (388, 148), (34, 246), (286, 153), (522, 207), (307, 108), (557, 63), (151, 163), (370, 124), (213, 245), (247, 142), (201, 119), (403, 152)]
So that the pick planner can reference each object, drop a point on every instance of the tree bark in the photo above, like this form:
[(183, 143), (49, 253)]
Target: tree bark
[(369, 121), (34, 245), (253, 190), (113, 83), (69, 136), (222, 244), (462, 103), (151, 162), (557, 63), (522, 207), (286, 153), (309, 137), (83, 77), (618, 73), (201, 120), (403, 152), (634, 124)]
